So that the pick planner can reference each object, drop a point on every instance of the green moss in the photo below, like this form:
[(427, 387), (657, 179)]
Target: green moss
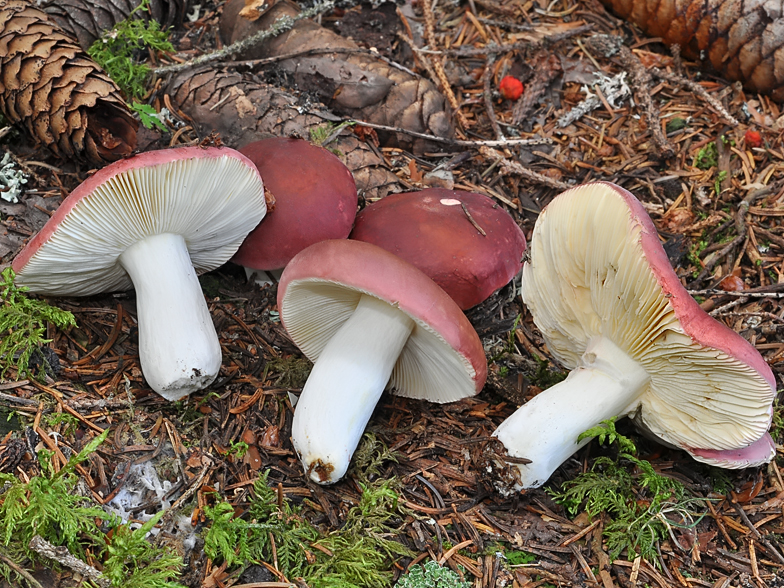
[(675, 124), (117, 50), (23, 324), (359, 554), (707, 157), (642, 505), (292, 371)]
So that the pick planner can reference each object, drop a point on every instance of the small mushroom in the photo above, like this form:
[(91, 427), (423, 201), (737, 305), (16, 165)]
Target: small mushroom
[(152, 221), (611, 309), (368, 320), (465, 242), (315, 200)]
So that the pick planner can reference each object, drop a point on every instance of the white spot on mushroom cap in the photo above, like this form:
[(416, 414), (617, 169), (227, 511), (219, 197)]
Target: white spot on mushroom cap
[(450, 202)]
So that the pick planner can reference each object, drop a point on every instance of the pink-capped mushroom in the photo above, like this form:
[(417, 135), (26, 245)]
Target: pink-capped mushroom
[(465, 242), (368, 320), (611, 309), (315, 200), (152, 222)]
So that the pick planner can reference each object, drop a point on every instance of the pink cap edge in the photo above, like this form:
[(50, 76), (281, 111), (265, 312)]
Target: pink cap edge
[(755, 454), (147, 159), (697, 323), (325, 261)]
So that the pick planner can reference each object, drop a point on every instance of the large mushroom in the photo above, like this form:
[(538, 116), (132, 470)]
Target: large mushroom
[(368, 320), (610, 308), (463, 241), (152, 222), (315, 200)]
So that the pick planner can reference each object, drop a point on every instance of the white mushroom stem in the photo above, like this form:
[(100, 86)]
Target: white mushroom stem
[(606, 384), (344, 386), (178, 345)]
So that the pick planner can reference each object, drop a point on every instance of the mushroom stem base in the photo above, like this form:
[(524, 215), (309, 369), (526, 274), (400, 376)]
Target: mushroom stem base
[(344, 386), (178, 346), (606, 384)]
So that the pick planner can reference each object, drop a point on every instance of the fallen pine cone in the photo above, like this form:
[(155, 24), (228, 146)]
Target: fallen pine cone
[(742, 39), (56, 93), (86, 20), (243, 110), (354, 84)]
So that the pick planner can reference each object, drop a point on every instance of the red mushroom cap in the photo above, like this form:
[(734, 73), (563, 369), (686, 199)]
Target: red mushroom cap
[(320, 289), (315, 200), (431, 230)]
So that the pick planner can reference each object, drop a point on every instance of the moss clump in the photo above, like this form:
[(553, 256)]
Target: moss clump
[(117, 50), (431, 575), (358, 555), (23, 324), (292, 372), (643, 505)]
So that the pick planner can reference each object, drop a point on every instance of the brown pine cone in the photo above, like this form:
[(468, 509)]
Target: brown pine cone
[(88, 19), (354, 84), (742, 39), (60, 96), (243, 110)]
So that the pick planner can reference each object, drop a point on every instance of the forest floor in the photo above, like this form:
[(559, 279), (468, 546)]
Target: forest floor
[(709, 165)]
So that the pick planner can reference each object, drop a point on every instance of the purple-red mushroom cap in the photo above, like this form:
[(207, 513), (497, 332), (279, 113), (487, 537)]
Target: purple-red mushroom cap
[(610, 307), (152, 221), (315, 200), (465, 242), (369, 321)]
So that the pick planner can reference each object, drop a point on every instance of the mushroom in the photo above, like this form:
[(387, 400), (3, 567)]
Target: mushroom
[(464, 242), (315, 200), (610, 308), (152, 221), (368, 320)]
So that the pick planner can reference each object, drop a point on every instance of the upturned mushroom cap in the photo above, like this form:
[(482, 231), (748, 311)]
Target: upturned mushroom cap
[(443, 359), (598, 270), (315, 200), (153, 221), (433, 230), (212, 197)]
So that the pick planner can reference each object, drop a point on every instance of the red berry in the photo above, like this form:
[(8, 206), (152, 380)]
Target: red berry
[(511, 88), (752, 139)]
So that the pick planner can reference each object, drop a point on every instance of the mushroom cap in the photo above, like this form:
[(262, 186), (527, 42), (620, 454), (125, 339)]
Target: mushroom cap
[(442, 360), (315, 200), (597, 268), (756, 454), (431, 230), (212, 197)]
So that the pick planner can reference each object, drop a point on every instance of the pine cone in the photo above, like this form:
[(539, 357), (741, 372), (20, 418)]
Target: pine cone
[(243, 110), (59, 95), (357, 85), (88, 19), (742, 39)]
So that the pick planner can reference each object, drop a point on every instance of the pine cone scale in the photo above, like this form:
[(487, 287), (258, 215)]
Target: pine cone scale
[(57, 94)]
